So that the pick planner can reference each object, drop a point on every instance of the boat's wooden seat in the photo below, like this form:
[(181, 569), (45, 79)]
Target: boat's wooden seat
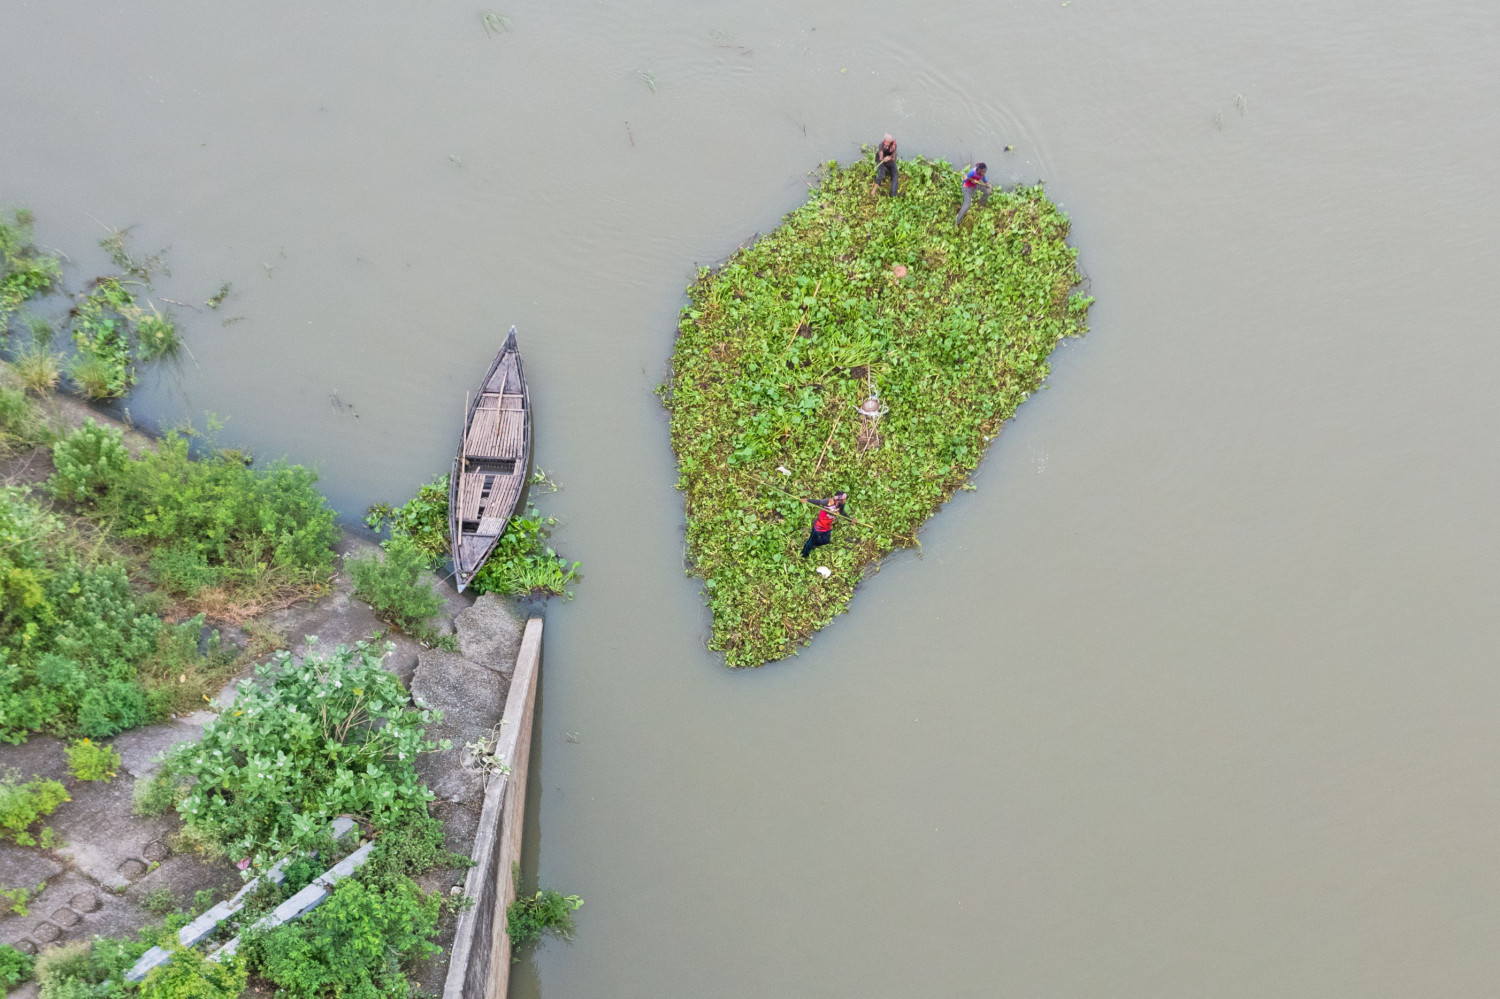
[(498, 429)]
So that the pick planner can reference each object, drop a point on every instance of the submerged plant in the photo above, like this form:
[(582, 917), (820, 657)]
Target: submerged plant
[(945, 330)]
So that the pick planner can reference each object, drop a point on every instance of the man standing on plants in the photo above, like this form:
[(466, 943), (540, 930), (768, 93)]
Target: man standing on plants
[(822, 529), (885, 163), (974, 180)]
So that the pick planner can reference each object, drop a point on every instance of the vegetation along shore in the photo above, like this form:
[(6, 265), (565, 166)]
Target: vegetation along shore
[(869, 345)]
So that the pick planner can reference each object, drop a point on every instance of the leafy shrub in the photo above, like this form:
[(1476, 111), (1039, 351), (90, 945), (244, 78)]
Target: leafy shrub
[(89, 970), (24, 805), (90, 760), (190, 975), (15, 967), (89, 461), (335, 734), (71, 635), (18, 422), (394, 588), (548, 911), (257, 529), (352, 945)]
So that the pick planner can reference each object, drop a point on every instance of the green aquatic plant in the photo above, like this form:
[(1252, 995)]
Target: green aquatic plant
[(546, 911), (24, 271), (855, 297), (523, 561), (156, 336)]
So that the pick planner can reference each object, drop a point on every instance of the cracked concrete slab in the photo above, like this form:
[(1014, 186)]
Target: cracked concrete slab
[(489, 633), (472, 699)]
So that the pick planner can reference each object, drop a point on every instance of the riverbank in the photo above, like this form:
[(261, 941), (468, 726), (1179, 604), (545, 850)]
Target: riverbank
[(869, 345), (112, 869)]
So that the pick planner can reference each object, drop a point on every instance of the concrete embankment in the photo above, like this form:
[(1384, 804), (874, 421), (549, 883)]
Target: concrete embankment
[(479, 962)]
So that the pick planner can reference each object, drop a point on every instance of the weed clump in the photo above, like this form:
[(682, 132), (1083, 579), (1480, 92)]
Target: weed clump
[(24, 804), (547, 911), (15, 967), (854, 297), (209, 523), (24, 272), (90, 760), (394, 587)]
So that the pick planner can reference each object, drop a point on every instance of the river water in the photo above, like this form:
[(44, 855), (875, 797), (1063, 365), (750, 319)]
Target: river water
[(1193, 697)]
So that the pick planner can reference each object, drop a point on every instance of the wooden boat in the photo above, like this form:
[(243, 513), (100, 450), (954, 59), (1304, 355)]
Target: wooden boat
[(493, 463)]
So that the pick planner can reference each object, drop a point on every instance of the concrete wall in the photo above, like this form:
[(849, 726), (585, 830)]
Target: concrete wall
[(479, 965)]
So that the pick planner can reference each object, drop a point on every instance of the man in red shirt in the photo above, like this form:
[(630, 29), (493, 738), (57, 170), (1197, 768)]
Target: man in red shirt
[(973, 181), (822, 529)]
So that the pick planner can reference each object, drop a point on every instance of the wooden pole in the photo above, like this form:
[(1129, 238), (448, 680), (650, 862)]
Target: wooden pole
[(800, 499), (828, 442)]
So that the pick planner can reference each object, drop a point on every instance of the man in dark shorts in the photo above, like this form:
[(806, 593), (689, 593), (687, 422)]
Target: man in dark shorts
[(885, 163), (973, 181), (822, 530)]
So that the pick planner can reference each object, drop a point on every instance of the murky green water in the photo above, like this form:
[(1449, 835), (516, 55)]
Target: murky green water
[(1194, 697)]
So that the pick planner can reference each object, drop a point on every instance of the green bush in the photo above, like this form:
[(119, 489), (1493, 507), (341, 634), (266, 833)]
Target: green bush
[(353, 945), (394, 587), (256, 529), (15, 967), (74, 638), (89, 461), (90, 760), (334, 734), (548, 911), (90, 970), (18, 421), (190, 975), (24, 805)]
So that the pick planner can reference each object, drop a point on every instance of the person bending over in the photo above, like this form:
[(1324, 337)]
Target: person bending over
[(822, 529), (885, 163), (974, 181)]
